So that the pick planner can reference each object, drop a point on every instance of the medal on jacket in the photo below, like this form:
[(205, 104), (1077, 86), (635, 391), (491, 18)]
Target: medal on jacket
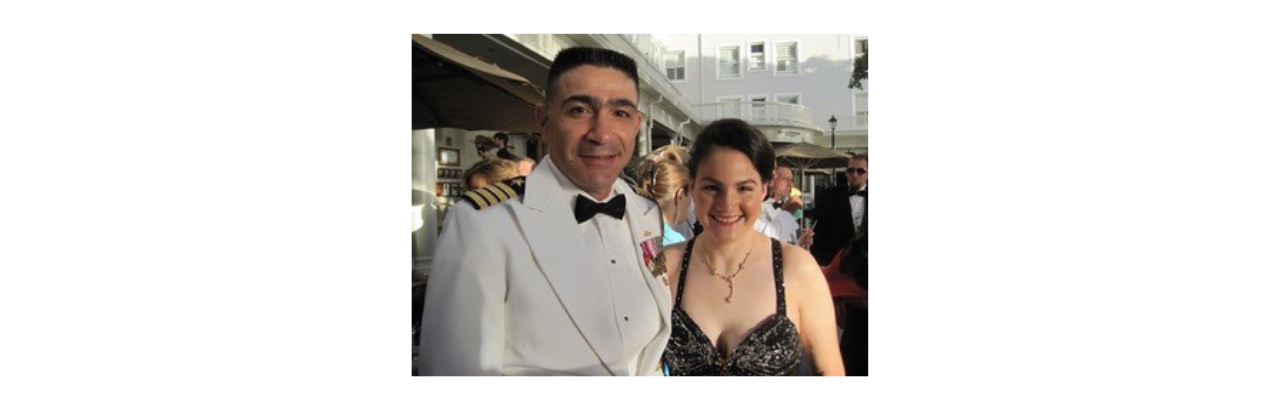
[(654, 259)]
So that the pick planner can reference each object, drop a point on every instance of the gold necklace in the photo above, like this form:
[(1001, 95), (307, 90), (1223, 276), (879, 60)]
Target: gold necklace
[(729, 278)]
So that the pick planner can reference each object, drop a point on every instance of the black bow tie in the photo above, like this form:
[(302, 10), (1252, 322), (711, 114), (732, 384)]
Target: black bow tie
[(586, 208), (858, 193)]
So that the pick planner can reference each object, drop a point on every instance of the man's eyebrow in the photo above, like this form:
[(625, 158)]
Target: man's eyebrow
[(623, 102), (593, 102), (585, 99)]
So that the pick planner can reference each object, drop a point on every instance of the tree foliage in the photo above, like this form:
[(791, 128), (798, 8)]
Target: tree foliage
[(860, 69)]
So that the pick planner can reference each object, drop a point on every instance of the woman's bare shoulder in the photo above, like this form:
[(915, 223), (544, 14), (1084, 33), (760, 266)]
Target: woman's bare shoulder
[(798, 265)]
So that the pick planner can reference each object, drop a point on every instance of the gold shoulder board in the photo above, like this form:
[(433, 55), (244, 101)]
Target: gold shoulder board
[(495, 193)]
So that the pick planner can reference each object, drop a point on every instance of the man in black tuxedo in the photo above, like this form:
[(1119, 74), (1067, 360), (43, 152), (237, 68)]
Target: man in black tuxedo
[(840, 211)]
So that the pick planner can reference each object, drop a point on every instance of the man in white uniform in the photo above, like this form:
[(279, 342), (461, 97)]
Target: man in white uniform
[(775, 219), (559, 273)]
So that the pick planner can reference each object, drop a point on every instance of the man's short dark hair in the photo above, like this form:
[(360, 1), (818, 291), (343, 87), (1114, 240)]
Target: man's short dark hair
[(737, 135), (502, 136), (857, 156), (573, 57)]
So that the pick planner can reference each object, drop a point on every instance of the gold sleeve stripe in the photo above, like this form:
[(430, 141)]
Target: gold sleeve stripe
[(480, 202), (506, 190)]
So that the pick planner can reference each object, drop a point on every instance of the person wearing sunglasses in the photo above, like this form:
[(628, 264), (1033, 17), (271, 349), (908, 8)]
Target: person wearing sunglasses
[(840, 211)]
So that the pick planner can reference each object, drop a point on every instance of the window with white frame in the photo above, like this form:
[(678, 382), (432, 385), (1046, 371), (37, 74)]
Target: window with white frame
[(755, 56), (788, 57), (730, 62), (787, 98), (758, 106), (675, 65)]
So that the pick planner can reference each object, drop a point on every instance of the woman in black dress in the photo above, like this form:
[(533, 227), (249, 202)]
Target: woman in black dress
[(744, 304)]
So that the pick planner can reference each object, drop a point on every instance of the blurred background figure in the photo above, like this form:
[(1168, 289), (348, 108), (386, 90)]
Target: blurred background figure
[(663, 178), (840, 212), (486, 147), (777, 219), (784, 194), (503, 142), (489, 171)]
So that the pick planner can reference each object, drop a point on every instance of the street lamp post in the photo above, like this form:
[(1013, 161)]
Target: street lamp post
[(832, 121)]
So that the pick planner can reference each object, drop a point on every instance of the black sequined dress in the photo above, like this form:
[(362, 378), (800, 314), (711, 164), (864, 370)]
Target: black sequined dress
[(773, 348)]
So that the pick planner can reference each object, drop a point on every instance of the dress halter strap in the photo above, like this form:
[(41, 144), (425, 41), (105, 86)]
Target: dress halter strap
[(684, 268), (779, 286)]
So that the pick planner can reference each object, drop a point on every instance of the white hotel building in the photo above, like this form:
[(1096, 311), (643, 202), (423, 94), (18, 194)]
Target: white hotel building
[(790, 86)]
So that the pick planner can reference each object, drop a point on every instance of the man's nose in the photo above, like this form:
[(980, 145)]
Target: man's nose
[(600, 130)]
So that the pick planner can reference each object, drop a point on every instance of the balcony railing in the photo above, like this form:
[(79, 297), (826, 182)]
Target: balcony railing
[(756, 111)]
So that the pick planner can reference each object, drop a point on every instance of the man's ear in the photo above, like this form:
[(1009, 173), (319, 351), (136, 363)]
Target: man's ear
[(540, 117)]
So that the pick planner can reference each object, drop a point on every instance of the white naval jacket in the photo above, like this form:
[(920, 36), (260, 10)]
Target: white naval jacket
[(512, 292)]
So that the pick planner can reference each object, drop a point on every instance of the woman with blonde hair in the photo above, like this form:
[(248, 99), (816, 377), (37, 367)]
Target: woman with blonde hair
[(663, 178), (489, 171)]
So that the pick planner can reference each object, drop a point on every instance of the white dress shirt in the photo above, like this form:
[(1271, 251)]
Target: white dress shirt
[(777, 223), (857, 207), (634, 312)]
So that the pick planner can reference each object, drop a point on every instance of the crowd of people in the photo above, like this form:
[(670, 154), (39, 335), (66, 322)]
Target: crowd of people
[(694, 265)]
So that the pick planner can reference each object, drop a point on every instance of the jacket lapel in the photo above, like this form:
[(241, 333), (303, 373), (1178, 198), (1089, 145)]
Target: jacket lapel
[(645, 219), (866, 208), (550, 229)]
